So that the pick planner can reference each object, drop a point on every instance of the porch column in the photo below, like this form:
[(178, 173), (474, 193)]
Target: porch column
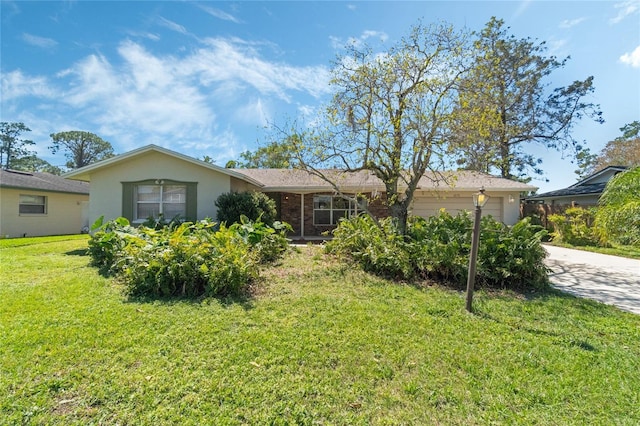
[(302, 216)]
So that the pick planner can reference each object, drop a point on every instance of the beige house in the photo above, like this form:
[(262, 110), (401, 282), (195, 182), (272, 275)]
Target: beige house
[(152, 180), (36, 204)]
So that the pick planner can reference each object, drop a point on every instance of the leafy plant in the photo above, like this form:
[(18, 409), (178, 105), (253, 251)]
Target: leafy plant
[(256, 206), (438, 247), (189, 259), (575, 227), (618, 216)]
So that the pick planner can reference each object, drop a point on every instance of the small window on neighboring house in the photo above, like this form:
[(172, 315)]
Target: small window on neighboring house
[(328, 210), (33, 204), (155, 200)]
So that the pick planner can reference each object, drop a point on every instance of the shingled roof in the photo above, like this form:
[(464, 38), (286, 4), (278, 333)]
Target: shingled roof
[(300, 180), (41, 182)]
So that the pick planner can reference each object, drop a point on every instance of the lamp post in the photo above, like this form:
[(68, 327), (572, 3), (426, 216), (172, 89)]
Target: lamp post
[(479, 200)]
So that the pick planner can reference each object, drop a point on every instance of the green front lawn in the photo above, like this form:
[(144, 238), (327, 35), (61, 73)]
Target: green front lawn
[(317, 343)]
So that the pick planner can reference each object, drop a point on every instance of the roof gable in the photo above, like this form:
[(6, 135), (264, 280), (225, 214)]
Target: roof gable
[(41, 182), (84, 173), (600, 175)]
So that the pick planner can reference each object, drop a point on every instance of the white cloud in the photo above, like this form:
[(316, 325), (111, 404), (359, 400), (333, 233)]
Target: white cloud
[(524, 5), (43, 42), (338, 43), (253, 113), (632, 58), (570, 23), (172, 26), (177, 100), (147, 35), (626, 8), (217, 13), (16, 85), (225, 60)]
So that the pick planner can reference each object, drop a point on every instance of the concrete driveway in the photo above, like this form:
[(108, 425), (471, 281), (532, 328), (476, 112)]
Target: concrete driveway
[(608, 279)]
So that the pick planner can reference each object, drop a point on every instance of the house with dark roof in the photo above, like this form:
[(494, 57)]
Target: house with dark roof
[(152, 180), (35, 204), (585, 192)]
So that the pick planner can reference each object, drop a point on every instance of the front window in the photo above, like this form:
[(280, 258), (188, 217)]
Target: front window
[(32, 204), (328, 209), (156, 200)]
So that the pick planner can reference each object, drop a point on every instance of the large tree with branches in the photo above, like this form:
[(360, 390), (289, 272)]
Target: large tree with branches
[(80, 148), (506, 105), (390, 114)]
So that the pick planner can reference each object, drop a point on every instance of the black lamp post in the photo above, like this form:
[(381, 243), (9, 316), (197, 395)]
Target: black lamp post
[(479, 200)]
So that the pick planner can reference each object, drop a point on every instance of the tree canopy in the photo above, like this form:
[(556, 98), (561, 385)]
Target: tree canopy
[(389, 113), (505, 105), (32, 163), (13, 147), (275, 155), (622, 151), (80, 148)]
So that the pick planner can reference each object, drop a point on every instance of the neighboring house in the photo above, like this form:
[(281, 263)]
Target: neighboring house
[(585, 192), (152, 180), (36, 204)]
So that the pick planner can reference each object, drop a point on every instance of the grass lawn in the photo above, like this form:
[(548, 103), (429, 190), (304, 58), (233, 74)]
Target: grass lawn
[(318, 343)]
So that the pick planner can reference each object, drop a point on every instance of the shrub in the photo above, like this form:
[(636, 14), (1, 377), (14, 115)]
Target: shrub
[(378, 248), (439, 247), (257, 206), (618, 215), (190, 259), (575, 227), (511, 256)]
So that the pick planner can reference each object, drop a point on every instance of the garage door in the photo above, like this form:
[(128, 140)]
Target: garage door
[(427, 206)]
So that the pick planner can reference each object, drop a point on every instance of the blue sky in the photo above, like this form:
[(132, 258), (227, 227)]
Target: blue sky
[(204, 78)]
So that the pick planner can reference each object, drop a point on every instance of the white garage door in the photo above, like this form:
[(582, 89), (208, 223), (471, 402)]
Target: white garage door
[(427, 206)]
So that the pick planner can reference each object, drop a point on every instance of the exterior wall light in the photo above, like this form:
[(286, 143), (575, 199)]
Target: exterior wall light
[(479, 200)]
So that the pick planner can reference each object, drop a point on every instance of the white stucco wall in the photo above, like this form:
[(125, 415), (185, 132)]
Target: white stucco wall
[(106, 183), (64, 214)]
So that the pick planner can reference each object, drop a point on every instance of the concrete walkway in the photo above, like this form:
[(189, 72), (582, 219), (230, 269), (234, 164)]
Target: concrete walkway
[(608, 279)]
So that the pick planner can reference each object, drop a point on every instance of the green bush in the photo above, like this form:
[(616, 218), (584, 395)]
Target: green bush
[(439, 247), (574, 227), (190, 259), (257, 206), (376, 247), (618, 215)]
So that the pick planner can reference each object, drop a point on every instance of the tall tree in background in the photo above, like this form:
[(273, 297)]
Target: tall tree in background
[(505, 105), (389, 114), (32, 163), (622, 151), (13, 147), (80, 148), (275, 155)]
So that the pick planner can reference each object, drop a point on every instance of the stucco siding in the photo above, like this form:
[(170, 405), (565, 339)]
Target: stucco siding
[(426, 204), (64, 214), (106, 183)]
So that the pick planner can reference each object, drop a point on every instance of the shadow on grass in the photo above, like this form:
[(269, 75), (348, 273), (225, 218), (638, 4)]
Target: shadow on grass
[(78, 252), (245, 301)]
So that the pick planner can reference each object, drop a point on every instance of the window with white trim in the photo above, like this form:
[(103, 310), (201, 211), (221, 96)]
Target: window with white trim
[(32, 204), (156, 200), (329, 209)]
